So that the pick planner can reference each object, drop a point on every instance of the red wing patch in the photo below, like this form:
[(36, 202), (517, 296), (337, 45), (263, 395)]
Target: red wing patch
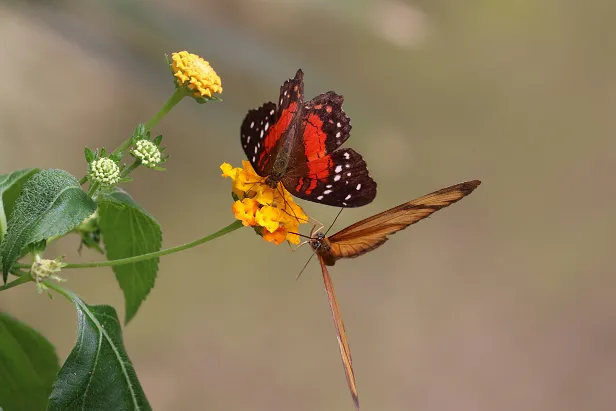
[(314, 138)]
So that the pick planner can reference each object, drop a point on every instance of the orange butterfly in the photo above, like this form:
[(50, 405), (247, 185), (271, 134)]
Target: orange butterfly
[(367, 235)]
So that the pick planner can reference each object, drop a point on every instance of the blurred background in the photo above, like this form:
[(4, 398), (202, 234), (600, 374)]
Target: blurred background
[(506, 300)]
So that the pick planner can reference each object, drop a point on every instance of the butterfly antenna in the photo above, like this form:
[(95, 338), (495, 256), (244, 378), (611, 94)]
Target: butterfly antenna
[(306, 265), (334, 222)]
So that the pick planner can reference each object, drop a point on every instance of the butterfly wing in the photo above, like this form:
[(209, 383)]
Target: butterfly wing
[(339, 179), (372, 232), (343, 345), (264, 128)]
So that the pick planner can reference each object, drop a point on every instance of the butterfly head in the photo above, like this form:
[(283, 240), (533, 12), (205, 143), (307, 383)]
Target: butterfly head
[(319, 242)]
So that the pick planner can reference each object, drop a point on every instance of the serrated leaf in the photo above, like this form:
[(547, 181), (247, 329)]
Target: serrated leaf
[(139, 132), (90, 156), (116, 157), (51, 203), (10, 188), (128, 230), (28, 366), (97, 374)]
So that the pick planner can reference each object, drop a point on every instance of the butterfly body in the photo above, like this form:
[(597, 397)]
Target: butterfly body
[(297, 142)]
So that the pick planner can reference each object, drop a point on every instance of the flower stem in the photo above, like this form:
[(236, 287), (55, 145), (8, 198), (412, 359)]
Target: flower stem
[(60, 290), (130, 169), (173, 100), (231, 227), (24, 278), (93, 189)]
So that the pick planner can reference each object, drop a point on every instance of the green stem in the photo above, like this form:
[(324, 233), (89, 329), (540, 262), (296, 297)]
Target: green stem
[(83, 180), (173, 100), (93, 189), (231, 227), (60, 290), (130, 169), (21, 280)]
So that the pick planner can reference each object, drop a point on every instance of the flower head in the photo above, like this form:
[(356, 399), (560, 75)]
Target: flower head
[(42, 269), (147, 152), (271, 211), (104, 171), (195, 75)]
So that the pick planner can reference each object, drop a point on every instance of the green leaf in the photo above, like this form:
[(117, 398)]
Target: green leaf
[(97, 374), (10, 188), (139, 132), (51, 204), (116, 157), (90, 155), (28, 366), (128, 230)]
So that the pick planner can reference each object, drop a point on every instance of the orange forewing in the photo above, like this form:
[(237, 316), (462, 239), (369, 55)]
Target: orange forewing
[(372, 232)]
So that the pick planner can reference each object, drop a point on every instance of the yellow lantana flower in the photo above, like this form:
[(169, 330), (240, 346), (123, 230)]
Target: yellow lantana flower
[(195, 75), (272, 211)]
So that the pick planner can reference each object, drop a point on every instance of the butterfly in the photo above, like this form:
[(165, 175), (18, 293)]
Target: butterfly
[(367, 235), (296, 143)]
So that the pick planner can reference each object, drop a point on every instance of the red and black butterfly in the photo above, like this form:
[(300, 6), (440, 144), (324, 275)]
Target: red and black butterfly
[(296, 144)]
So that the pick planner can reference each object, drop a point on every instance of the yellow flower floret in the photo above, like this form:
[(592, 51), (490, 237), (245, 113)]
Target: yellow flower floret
[(195, 74), (272, 211), (245, 210)]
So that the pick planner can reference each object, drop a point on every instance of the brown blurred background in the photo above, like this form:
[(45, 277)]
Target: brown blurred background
[(505, 301)]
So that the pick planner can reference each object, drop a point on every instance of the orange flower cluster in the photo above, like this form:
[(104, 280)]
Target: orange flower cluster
[(273, 212)]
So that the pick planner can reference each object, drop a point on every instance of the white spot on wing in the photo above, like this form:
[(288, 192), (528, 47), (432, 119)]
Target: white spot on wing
[(320, 198), (328, 186), (272, 112), (254, 158), (256, 149), (349, 174), (343, 203), (338, 136), (338, 124), (347, 197), (337, 177), (252, 124), (261, 133), (347, 165), (358, 186), (266, 126), (338, 169), (248, 140), (327, 191)]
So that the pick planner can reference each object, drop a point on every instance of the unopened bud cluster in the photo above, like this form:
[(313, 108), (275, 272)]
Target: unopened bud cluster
[(147, 152), (105, 172)]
